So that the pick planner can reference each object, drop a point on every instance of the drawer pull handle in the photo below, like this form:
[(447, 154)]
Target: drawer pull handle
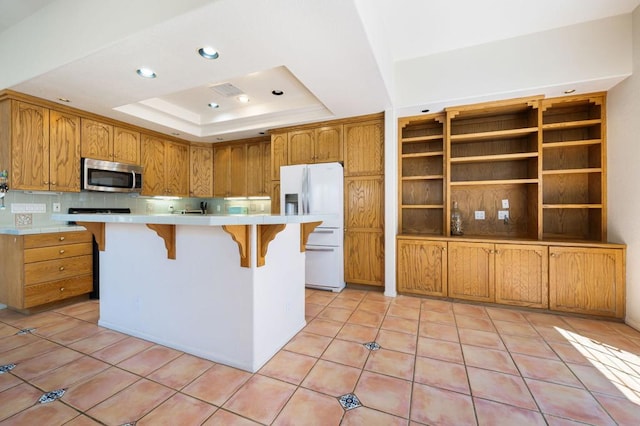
[(61, 268), (61, 251), (61, 238), (61, 288)]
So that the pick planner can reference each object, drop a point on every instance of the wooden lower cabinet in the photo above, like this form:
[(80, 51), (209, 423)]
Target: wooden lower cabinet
[(43, 268), (587, 280), (471, 271), (522, 275), (422, 267), (364, 230), (364, 257)]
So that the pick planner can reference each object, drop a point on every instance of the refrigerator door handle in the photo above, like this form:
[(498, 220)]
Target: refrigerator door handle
[(305, 190)]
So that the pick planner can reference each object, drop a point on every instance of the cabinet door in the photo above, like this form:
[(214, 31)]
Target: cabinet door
[(255, 184), (364, 148), (422, 267), (177, 169), (153, 153), (275, 197), (300, 145), (29, 147), (471, 271), (364, 230), (522, 273), (587, 280), (266, 168), (96, 140), (126, 146), (238, 183), (279, 154), (64, 152), (221, 170), (201, 171), (328, 144)]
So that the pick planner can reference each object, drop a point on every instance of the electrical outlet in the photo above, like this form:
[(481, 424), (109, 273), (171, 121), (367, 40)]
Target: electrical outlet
[(56, 207), (503, 214), (505, 204), (479, 214)]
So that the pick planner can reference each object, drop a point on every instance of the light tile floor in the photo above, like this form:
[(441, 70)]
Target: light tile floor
[(439, 363)]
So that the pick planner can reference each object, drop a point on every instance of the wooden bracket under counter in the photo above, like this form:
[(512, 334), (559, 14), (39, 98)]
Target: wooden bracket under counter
[(241, 235)]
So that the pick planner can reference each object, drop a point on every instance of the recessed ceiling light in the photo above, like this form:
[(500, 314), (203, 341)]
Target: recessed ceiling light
[(568, 91), (213, 105), (277, 92), (243, 98), (146, 72), (208, 52), (64, 100)]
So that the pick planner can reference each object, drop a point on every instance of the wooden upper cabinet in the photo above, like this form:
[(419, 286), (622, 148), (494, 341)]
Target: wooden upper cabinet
[(238, 170), (126, 146), (230, 170), (64, 152), (364, 148), (201, 170), (153, 153), (29, 147), (103, 141), (96, 140), (471, 271), (279, 154), (177, 169), (300, 146), (319, 145), (328, 144), (221, 170), (258, 168), (166, 167)]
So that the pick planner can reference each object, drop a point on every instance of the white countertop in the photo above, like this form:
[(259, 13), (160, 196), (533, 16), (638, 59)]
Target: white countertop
[(189, 219), (39, 230)]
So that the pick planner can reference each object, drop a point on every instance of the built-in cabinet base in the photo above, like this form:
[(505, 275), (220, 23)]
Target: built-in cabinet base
[(584, 278)]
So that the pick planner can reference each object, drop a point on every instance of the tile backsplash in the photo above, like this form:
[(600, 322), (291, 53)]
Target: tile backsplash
[(136, 203)]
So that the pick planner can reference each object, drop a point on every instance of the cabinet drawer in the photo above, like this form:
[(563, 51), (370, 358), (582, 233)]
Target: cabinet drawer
[(52, 291), (51, 270), (56, 238), (57, 252)]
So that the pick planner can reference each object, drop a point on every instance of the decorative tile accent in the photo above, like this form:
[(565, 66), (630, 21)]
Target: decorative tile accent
[(6, 367), (372, 346), (51, 396), (350, 401), (25, 331)]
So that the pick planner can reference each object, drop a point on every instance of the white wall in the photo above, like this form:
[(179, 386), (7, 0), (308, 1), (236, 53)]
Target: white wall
[(623, 165), (596, 53)]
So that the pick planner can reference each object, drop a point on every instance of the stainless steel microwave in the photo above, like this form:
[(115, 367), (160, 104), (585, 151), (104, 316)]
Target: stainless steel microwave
[(107, 176)]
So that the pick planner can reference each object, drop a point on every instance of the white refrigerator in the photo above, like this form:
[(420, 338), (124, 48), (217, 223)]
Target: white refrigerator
[(318, 189)]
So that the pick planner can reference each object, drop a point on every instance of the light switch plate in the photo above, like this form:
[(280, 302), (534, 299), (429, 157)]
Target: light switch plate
[(479, 214), (503, 214), (505, 204)]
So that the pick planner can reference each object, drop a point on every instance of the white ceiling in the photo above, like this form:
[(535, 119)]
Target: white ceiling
[(330, 57)]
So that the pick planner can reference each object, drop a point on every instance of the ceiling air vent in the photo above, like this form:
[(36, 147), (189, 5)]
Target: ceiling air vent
[(227, 90)]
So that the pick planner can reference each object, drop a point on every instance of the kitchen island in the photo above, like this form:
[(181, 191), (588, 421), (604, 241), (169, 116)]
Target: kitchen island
[(229, 288)]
